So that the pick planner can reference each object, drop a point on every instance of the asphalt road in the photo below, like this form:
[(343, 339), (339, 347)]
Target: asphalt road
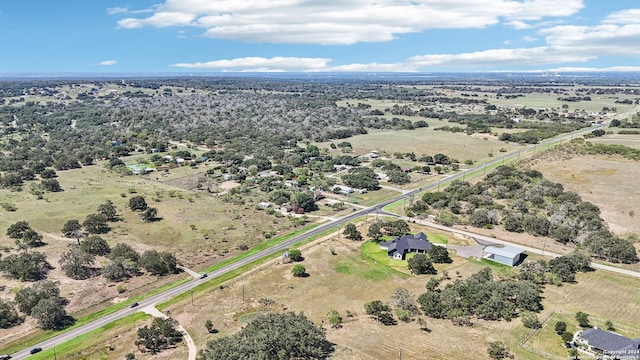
[(169, 294)]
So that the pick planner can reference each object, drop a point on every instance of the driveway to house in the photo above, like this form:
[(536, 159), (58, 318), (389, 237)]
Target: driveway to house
[(153, 311), (467, 251)]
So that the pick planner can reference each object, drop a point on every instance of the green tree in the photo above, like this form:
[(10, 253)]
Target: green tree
[(498, 350), (439, 255), (96, 224), (137, 203), (31, 266), (432, 305), (76, 263), (209, 326), (305, 200), (159, 263), (124, 251), (17, 230), (150, 214), (119, 270), (295, 255), (8, 315), (608, 325), (50, 313), (161, 334), (299, 270), (380, 312), (71, 228), (567, 337), (374, 232), (361, 178), (30, 238), (530, 320), (95, 245), (27, 298), (560, 327), (396, 227), (334, 318), (420, 264), (351, 232), (51, 185), (108, 210), (583, 319), (272, 336)]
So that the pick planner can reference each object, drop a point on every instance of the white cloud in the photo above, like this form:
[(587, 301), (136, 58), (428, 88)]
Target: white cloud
[(116, 10), (591, 69), (343, 22), (518, 25), (107, 63), (629, 16), (564, 44), (528, 38), (261, 64)]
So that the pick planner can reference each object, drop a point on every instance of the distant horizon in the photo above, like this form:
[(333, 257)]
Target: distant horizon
[(506, 73)]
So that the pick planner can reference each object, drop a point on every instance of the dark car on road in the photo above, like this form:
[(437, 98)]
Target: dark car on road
[(35, 350), (202, 276), (134, 305)]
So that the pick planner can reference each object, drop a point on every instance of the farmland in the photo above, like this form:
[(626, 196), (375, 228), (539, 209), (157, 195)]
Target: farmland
[(287, 146)]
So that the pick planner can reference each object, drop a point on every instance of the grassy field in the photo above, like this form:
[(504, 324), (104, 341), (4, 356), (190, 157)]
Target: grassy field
[(428, 141), (604, 181), (351, 277)]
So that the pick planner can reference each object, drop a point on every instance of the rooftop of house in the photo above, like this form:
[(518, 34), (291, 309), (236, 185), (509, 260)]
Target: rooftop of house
[(405, 242), (609, 341)]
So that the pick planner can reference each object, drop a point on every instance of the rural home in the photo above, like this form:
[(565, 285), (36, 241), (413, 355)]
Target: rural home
[(399, 247), (608, 344), (382, 176), (263, 205), (341, 189), (507, 255)]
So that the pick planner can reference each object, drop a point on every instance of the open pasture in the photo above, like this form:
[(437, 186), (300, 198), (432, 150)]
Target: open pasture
[(346, 280)]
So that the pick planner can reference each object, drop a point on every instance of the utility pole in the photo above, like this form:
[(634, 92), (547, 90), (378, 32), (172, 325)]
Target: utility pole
[(191, 297), (400, 354), (242, 293)]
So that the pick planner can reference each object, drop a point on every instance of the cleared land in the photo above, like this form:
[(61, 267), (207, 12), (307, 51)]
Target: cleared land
[(607, 182)]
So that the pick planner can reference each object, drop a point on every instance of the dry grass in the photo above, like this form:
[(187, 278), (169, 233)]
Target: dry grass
[(344, 282), (607, 182), (199, 228)]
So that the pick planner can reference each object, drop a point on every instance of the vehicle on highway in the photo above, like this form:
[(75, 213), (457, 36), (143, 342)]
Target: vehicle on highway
[(202, 276), (5, 357), (134, 305), (35, 350)]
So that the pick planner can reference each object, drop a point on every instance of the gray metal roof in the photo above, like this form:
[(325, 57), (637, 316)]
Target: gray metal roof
[(506, 251), (612, 342)]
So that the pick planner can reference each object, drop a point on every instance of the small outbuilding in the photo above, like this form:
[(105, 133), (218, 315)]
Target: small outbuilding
[(507, 255)]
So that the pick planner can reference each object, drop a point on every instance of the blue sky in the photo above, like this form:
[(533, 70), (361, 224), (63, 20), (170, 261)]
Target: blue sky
[(193, 36)]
